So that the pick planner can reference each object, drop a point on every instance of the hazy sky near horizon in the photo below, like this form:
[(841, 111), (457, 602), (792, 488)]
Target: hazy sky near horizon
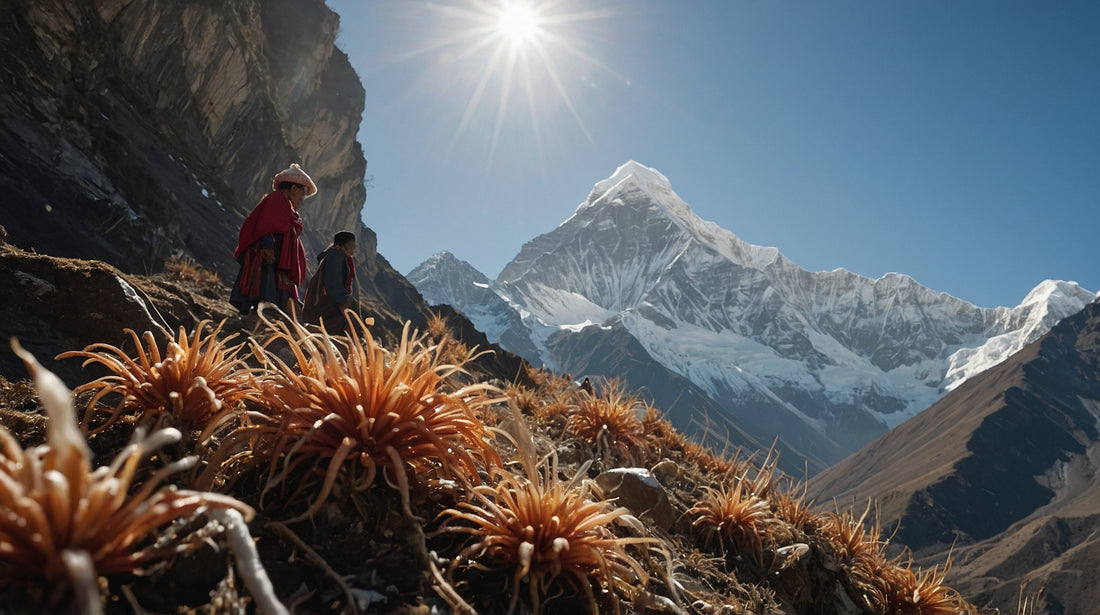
[(955, 142)]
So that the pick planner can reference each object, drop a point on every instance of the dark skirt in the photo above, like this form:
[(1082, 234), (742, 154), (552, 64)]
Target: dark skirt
[(255, 283)]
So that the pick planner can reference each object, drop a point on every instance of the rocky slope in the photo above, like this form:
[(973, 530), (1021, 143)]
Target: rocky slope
[(1003, 470), (53, 305), (359, 547), (133, 131)]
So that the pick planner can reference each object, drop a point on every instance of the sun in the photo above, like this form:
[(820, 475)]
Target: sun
[(511, 68), (519, 24)]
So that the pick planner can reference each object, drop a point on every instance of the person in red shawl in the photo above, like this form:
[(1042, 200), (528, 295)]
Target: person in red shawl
[(269, 248)]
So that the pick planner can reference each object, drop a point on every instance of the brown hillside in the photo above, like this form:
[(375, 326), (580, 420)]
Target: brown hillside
[(1003, 468)]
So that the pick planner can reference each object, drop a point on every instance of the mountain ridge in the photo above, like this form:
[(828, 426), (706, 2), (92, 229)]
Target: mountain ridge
[(847, 356), (1001, 472)]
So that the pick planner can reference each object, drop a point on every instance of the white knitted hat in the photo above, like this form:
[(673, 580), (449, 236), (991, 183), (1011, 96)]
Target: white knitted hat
[(296, 175)]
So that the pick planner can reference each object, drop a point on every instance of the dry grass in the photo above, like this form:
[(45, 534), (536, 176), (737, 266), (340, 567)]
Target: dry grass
[(656, 426), (448, 348), (438, 328), (553, 387), (554, 409), (182, 269), (18, 404), (883, 584), (703, 457), (765, 476), (856, 545), (662, 438), (794, 510), (345, 407), (526, 399), (1028, 602), (197, 382), (543, 378), (59, 511), (550, 397)]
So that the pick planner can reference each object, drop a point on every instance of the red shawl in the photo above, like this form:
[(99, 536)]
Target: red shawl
[(275, 215)]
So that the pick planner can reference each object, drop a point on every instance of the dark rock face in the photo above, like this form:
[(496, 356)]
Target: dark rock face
[(639, 491), (54, 304), (133, 130)]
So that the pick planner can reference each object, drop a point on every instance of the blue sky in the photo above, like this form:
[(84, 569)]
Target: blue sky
[(954, 141)]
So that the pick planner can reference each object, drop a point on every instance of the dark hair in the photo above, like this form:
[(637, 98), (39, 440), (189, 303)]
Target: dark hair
[(286, 185), (342, 238)]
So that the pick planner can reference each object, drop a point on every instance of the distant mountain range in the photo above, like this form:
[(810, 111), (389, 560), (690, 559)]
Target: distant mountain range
[(823, 361), (1004, 472)]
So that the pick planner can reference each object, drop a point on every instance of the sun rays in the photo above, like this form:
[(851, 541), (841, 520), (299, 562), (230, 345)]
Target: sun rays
[(510, 71)]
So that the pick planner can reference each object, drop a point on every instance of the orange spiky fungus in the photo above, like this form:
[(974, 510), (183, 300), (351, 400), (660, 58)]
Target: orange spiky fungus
[(733, 516), (347, 414), (540, 528), (64, 522), (910, 593), (608, 421), (196, 382)]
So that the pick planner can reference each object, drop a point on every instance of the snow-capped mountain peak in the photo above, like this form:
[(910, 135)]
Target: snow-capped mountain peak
[(444, 278), (1056, 292), (650, 193), (831, 359), (640, 173), (634, 177), (1049, 302)]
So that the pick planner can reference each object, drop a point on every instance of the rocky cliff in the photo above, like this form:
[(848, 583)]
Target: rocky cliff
[(130, 131)]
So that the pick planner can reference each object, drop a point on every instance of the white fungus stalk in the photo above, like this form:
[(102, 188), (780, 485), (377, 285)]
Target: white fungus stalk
[(248, 562)]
